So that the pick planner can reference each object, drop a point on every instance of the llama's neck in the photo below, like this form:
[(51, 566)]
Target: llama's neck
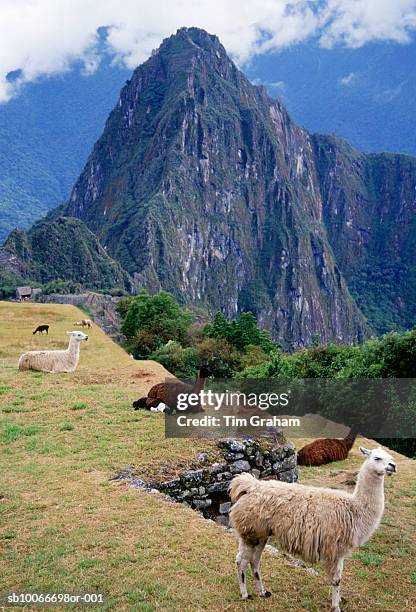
[(368, 499), (199, 384), (350, 438), (73, 348)]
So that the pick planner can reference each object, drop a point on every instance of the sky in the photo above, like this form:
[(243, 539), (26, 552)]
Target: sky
[(41, 38)]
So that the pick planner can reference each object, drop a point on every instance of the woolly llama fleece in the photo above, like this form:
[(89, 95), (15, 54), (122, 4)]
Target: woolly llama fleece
[(54, 361), (317, 524)]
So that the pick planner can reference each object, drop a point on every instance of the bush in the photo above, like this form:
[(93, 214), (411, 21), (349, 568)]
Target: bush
[(149, 322), (182, 362), (223, 359)]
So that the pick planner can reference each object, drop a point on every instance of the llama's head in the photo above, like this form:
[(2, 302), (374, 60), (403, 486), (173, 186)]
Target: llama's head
[(204, 371), (77, 335), (379, 461)]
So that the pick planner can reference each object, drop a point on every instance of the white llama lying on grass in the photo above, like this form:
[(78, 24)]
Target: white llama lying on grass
[(54, 361), (311, 522)]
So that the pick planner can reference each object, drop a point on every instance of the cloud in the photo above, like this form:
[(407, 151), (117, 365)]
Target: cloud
[(349, 79), (390, 94), (357, 22), (274, 85), (46, 37)]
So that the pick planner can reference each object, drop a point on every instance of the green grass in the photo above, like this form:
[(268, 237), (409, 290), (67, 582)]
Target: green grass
[(10, 432), (65, 528), (79, 406), (369, 559)]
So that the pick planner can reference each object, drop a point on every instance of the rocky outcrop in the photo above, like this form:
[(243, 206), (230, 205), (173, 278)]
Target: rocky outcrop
[(11, 263)]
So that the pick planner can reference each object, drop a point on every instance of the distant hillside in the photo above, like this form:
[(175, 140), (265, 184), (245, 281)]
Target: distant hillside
[(46, 133), (365, 95)]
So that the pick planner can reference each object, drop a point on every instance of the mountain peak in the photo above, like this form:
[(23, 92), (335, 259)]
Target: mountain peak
[(193, 36), (186, 49)]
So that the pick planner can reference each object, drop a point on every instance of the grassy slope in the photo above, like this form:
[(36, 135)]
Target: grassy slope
[(65, 528)]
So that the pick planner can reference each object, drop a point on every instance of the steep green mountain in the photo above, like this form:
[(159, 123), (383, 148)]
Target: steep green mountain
[(365, 95), (201, 184), (62, 249)]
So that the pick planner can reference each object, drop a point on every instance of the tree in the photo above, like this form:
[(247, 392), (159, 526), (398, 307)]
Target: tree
[(240, 333), (149, 322), (223, 359)]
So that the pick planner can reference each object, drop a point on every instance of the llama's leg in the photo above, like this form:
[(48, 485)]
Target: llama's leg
[(255, 566), (335, 576), (244, 556)]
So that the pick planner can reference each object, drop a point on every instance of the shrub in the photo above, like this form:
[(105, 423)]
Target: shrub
[(182, 362), (222, 357), (149, 322)]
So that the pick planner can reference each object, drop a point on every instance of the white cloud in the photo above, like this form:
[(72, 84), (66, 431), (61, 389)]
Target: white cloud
[(276, 85), (45, 37), (349, 79), (390, 94), (357, 22)]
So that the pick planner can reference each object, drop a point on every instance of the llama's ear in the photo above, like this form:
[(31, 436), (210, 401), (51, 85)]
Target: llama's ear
[(365, 451)]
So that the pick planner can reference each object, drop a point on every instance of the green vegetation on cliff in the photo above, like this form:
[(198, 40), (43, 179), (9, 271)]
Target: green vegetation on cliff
[(64, 250)]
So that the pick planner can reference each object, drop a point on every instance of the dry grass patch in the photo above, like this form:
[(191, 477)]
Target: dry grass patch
[(65, 528)]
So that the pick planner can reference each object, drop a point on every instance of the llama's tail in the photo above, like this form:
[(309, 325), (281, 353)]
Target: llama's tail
[(35, 331), (242, 484), (140, 403)]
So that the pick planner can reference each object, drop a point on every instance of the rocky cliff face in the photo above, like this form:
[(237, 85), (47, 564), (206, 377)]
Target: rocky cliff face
[(203, 185), (369, 211)]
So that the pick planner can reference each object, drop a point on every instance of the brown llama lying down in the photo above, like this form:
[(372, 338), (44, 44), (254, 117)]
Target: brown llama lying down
[(326, 450), (167, 393), (41, 328)]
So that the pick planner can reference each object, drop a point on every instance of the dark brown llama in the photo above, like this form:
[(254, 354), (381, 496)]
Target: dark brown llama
[(326, 450), (167, 393)]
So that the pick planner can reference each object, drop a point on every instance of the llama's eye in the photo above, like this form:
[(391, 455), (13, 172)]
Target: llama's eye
[(377, 458)]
